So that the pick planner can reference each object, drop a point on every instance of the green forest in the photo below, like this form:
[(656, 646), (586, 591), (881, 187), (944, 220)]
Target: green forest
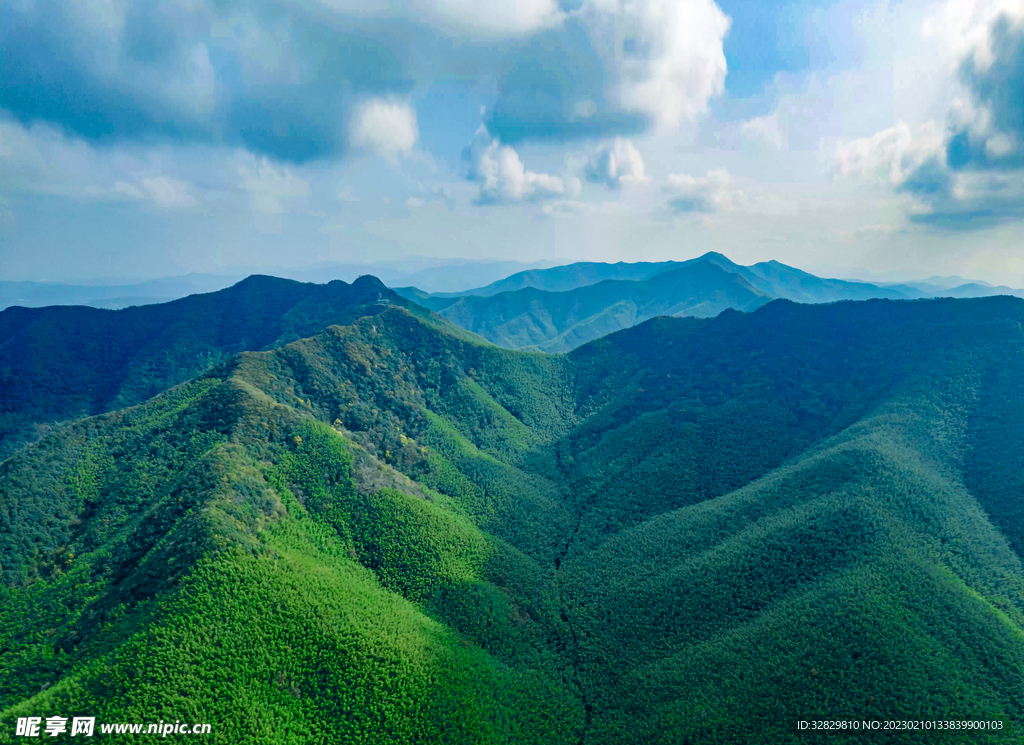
[(388, 530)]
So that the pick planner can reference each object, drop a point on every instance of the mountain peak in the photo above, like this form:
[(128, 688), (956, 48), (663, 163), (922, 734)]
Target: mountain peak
[(369, 281)]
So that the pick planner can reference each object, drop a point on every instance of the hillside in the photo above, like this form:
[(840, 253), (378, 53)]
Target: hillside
[(560, 321), (62, 362), (693, 530)]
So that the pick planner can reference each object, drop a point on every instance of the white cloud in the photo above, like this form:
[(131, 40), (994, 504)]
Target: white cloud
[(437, 191), (169, 193), (668, 54), (573, 207), (616, 163), (43, 160), (965, 27), (504, 178), (488, 18), (384, 126), (718, 192), (128, 190), (268, 185), (892, 155), (764, 129)]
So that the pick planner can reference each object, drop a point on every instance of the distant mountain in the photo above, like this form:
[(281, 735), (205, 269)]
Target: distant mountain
[(952, 281), (434, 275), (778, 280), (69, 361), (978, 289), (558, 309), (571, 276), (560, 321), (692, 531), (41, 294)]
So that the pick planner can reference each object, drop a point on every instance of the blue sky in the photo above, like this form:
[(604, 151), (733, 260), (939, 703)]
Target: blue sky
[(154, 138)]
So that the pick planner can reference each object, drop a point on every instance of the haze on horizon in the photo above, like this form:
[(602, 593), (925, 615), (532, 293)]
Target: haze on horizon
[(161, 138)]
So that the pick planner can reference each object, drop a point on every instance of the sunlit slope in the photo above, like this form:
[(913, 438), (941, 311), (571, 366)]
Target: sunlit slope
[(215, 556)]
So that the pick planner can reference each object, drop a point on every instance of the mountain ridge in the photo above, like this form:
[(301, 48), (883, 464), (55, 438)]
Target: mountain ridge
[(63, 361)]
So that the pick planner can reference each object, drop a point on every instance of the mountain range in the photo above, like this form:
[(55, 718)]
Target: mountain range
[(63, 362), (557, 309), (433, 274), (689, 531)]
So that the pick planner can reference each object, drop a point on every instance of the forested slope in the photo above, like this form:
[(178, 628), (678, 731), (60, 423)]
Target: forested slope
[(560, 321), (694, 530), (558, 309), (62, 362)]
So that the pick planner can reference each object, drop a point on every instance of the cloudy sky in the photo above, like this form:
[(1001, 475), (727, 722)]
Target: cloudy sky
[(148, 138)]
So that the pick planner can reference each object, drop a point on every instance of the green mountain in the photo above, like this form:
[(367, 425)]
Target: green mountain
[(581, 302), (690, 531), (63, 362), (561, 321), (770, 277), (570, 276)]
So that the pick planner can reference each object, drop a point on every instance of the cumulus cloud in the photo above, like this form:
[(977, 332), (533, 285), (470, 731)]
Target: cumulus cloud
[(503, 178), (574, 207), (991, 126), (614, 67), (384, 126), (717, 192), (286, 84), (487, 18), (668, 54), (490, 17), (168, 193), (764, 129), (893, 155), (616, 163), (268, 184), (42, 160), (967, 27), (436, 192), (129, 190), (702, 194), (971, 172)]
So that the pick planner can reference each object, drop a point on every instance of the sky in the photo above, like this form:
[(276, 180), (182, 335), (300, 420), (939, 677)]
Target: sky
[(154, 138)]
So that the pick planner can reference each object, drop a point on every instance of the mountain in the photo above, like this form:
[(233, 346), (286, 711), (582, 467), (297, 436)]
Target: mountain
[(556, 310), (436, 275), (771, 277), (979, 289), (570, 277), (64, 362), (779, 280), (952, 281), (689, 531), (41, 294), (560, 321)]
